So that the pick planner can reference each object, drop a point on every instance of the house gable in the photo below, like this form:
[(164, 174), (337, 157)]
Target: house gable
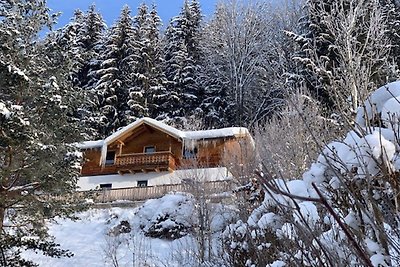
[(145, 136), (137, 128)]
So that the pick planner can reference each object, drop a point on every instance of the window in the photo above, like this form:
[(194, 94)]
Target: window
[(149, 149), (110, 157), (189, 153), (142, 183), (105, 186)]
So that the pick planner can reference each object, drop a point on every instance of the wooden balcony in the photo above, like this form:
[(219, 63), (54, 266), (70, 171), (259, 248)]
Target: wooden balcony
[(132, 163), (142, 162)]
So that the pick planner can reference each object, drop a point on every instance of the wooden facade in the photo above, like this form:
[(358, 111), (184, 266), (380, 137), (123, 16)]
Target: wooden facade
[(146, 148)]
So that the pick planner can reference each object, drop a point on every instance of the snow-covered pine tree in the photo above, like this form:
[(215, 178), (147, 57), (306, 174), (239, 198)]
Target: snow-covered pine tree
[(139, 92), (68, 38), (36, 160), (81, 40), (313, 30), (157, 79), (148, 80), (90, 39), (194, 36), (115, 76), (181, 44)]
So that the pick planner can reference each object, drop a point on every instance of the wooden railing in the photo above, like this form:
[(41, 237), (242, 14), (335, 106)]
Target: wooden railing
[(163, 160), (144, 158), (143, 193), (136, 162)]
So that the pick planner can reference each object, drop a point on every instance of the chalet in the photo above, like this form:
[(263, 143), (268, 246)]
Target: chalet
[(149, 153)]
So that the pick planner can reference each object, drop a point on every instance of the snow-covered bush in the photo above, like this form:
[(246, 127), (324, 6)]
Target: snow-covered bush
[(170, 217), (249, 245), (343, 211)]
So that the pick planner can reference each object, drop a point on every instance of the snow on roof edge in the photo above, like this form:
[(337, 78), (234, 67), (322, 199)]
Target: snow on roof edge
[(216, 133), (193, 135), (90, 144)]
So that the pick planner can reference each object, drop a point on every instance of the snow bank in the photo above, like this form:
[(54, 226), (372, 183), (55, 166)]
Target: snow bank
[(376, 102), (97, 235)]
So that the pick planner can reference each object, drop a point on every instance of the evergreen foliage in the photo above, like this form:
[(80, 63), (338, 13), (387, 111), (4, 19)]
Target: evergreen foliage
[(115, 76), (148, 80), (36, 130), (182, 62)]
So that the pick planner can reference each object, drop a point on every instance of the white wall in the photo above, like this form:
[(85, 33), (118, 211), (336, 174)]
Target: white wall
[(153, 178)]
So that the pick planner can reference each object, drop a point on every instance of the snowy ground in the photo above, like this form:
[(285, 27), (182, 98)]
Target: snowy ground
[(88, 240), (93, 243)]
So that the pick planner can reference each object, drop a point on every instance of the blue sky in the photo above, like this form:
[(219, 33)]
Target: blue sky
[(110, 9)]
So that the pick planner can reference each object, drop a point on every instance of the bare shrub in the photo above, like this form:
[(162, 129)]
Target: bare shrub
[(112, 249), (291, 141)]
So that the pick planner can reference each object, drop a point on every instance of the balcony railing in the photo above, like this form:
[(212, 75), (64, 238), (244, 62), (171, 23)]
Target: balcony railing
[(136, 162), (158, 161)]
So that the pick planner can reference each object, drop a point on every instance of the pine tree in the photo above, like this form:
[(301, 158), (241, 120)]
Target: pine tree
[(148, 80), (90, 39), (138, 95), (314, 32), (36, 131), (68, 39), (81, 40), (157, 79), (115, 76), (181, 65)]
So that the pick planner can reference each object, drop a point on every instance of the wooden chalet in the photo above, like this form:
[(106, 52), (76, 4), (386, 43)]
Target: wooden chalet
[(147, 152)]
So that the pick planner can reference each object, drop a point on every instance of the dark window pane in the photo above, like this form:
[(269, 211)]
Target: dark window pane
[(105, 186), (110, 157), (142, 183)]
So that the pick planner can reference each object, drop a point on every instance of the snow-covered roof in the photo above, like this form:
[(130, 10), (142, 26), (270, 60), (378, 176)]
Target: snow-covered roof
[(184, 135), (152, 122)]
